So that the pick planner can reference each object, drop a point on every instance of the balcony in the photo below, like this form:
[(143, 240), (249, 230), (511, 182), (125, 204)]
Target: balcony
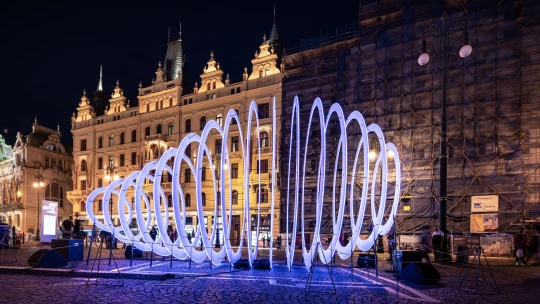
[(77, 194), (160, 137)]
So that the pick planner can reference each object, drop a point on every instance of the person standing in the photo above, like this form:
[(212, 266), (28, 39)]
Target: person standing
[(67, 227), (77, 227), (437, 240), (279, 241), (391, 244), (264, 241), (520, 241), (153, 233)]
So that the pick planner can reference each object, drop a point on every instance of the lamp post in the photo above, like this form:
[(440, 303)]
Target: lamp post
[(216, 159), (111, 173), (38, 183), (443, 35)]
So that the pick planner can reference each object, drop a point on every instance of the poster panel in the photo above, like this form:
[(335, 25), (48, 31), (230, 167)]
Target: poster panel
[(49, 218), (486, 222), (409, 242), (485, 203), (497, 245)]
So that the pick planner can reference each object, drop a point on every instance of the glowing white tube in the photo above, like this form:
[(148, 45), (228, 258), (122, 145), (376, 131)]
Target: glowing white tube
[(156, 208)]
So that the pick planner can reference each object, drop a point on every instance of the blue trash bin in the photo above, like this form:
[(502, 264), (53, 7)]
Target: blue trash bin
[(5, 231)]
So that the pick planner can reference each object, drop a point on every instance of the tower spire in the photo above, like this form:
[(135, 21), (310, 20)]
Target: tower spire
[(169, 34), (273, 33), (100, 83), (180, 32)]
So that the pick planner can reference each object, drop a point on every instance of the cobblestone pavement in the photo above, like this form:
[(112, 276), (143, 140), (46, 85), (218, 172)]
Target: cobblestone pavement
[(182, 283)]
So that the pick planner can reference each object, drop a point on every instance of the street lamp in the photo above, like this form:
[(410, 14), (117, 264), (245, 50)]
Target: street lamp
[(444, 34), (38, 183), (111, 173), (216, 161)]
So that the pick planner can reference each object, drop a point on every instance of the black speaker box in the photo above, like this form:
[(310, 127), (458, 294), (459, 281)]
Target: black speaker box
[(262, 264), (420, 273), (366, 260), (137, 253), (241, 263), (405, 258), (45, 258)]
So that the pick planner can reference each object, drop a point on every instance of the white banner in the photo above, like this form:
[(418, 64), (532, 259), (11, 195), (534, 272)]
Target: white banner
[(485, 203)]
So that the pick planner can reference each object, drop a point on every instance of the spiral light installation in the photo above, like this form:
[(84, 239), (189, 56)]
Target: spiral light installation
[(173, 159)]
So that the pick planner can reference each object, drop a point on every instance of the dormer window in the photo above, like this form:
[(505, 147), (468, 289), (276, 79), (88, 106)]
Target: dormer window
[(147, 107), (214, 85), (261, 73), (208, 86)]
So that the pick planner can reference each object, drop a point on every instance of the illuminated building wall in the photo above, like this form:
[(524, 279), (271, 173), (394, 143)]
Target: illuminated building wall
[(128, 137), (40, 152)]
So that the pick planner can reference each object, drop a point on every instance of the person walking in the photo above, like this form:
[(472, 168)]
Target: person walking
[(437, 241), (424, 240), (520, 241), (264, 241), (279, 241)]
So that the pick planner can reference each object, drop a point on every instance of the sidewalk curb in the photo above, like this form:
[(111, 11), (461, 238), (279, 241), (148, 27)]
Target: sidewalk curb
[(74, 273)]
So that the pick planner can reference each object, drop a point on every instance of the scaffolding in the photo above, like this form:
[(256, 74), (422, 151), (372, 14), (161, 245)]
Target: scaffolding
[(493, 106)]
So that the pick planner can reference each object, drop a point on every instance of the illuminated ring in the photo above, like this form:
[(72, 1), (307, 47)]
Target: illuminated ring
[(181, 248)]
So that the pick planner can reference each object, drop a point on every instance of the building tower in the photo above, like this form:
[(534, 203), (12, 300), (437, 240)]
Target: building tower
[(99, 98), (174, 59)]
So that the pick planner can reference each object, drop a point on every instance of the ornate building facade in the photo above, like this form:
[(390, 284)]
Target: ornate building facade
[(39, 157), (125, 138)]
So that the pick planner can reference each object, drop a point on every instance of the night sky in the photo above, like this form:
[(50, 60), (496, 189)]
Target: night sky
[(52, 51)]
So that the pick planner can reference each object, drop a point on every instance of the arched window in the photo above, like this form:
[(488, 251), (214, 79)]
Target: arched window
[(267, 71), (213, 85), (188, 200), (208, 86), (219, 119), (171, 128), (203, 199), (147, 131), (100, 205), (84, 168), (158, 129), (188, 125), (235, 197), (155, 151), (261, 73), (264, 139), (170, 102), (161, 104), (188, 150), (234, 122), (100, 142), (264, 195), (203, 122), (111, 140), (55, 193), (134, 136), (122, 138), (83, 206), (51, 147), (169, 201), (148, 107)]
